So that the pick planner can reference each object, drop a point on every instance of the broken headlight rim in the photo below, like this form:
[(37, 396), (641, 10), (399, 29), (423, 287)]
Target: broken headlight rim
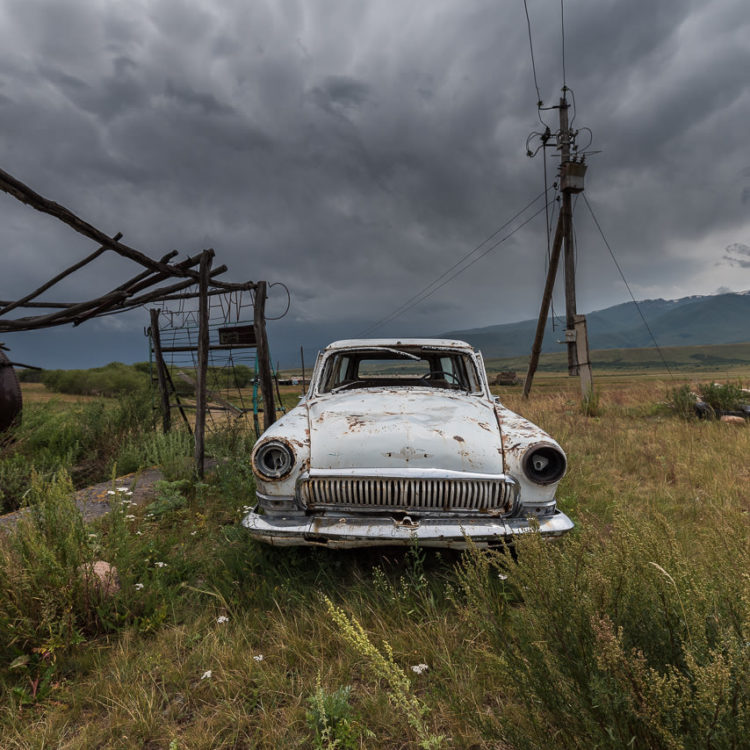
[(273, 459), (544, 464)]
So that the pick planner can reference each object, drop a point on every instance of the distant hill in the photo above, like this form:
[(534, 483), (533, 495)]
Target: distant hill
[(704, 358), (690, 321)]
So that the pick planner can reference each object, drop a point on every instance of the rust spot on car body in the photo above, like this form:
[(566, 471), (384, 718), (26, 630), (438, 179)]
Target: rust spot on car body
[(355, 422), (458, 439)]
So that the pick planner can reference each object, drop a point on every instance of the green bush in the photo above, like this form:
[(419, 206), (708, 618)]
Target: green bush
[(331, 718), (45, 602), (682, 400), (727, 397), (115, 379)]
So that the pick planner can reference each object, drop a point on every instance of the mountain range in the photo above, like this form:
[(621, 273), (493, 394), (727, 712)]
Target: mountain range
[(689, 321)]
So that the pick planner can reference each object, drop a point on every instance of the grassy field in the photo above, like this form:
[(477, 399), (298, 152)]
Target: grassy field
[(720, 360), (631, 632)]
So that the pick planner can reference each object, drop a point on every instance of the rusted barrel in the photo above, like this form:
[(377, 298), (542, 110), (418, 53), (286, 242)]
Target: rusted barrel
[(10, 394)]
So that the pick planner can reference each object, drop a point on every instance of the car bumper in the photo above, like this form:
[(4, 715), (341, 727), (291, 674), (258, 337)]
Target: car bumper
[(349, 531)]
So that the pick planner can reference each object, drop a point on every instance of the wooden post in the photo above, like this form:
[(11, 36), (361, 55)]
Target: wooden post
[(264, 360), (161, 372), (549, 285), (582, 351), (200, 391), (302, 357)]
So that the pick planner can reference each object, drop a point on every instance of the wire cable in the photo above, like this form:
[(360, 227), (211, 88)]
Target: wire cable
[(406, 307), (539, 101), (630, 292), (463, 258), (562, 29), (531, 49)]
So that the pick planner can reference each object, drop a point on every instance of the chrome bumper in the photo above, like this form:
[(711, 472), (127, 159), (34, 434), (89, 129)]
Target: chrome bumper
[(341, 531)]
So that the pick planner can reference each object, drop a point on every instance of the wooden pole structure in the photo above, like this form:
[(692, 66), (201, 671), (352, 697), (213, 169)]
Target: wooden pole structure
[(264, 360), (570, 260), (549, 285), (571, 181), (166, 415), (302, 357), (200, 391)]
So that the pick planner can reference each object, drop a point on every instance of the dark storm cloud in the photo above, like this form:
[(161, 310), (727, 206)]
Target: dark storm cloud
[(356, 150), (734, 252)]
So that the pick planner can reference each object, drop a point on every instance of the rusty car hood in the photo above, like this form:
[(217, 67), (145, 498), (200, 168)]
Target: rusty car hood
[(404, 428)]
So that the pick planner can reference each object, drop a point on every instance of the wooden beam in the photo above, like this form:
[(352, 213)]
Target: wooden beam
[(549, 285), (60, 276), (25, 194), (203, 334), (264, 359), (166, 412)]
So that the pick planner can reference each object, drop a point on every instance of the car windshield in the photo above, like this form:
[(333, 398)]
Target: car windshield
[(381, 367)]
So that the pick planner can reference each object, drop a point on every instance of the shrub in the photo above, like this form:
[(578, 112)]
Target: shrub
[(682, 400), (628, 641), (590, 404), (727, 397), (115, 379), (331, 718), (383, 666), (44, 600)]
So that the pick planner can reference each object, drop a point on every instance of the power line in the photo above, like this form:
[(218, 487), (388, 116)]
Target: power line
[(630, 292), (425, 294), (464, 257), (562, 29), (539, 101), (531, 49)]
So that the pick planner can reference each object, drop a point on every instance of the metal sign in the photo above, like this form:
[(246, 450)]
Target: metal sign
[(237, 336)]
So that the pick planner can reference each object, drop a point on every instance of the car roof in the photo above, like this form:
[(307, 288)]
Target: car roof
[(416, 343)]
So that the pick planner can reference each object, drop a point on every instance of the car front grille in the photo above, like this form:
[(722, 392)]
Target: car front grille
[(408, 494)]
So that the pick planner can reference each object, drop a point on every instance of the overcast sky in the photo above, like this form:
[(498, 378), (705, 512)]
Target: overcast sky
[(356, 150)]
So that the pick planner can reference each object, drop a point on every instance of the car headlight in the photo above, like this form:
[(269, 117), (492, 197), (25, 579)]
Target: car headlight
[(273, 459), (544, 464)]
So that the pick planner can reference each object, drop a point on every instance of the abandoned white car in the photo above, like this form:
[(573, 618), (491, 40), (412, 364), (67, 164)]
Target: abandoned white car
[(399, 440)]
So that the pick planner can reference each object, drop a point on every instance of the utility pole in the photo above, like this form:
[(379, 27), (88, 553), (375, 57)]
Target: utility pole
[(572, 172), (567, 229)]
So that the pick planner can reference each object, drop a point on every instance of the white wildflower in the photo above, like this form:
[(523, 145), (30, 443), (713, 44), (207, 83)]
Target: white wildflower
[(502, 577), (160, 564), (111, 492), (258, 657), (139, 533), (222, 619), (193, 533), (130, 517), (123, 489), (206, 675), (419, 668), (138, 586), (92, 536)]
